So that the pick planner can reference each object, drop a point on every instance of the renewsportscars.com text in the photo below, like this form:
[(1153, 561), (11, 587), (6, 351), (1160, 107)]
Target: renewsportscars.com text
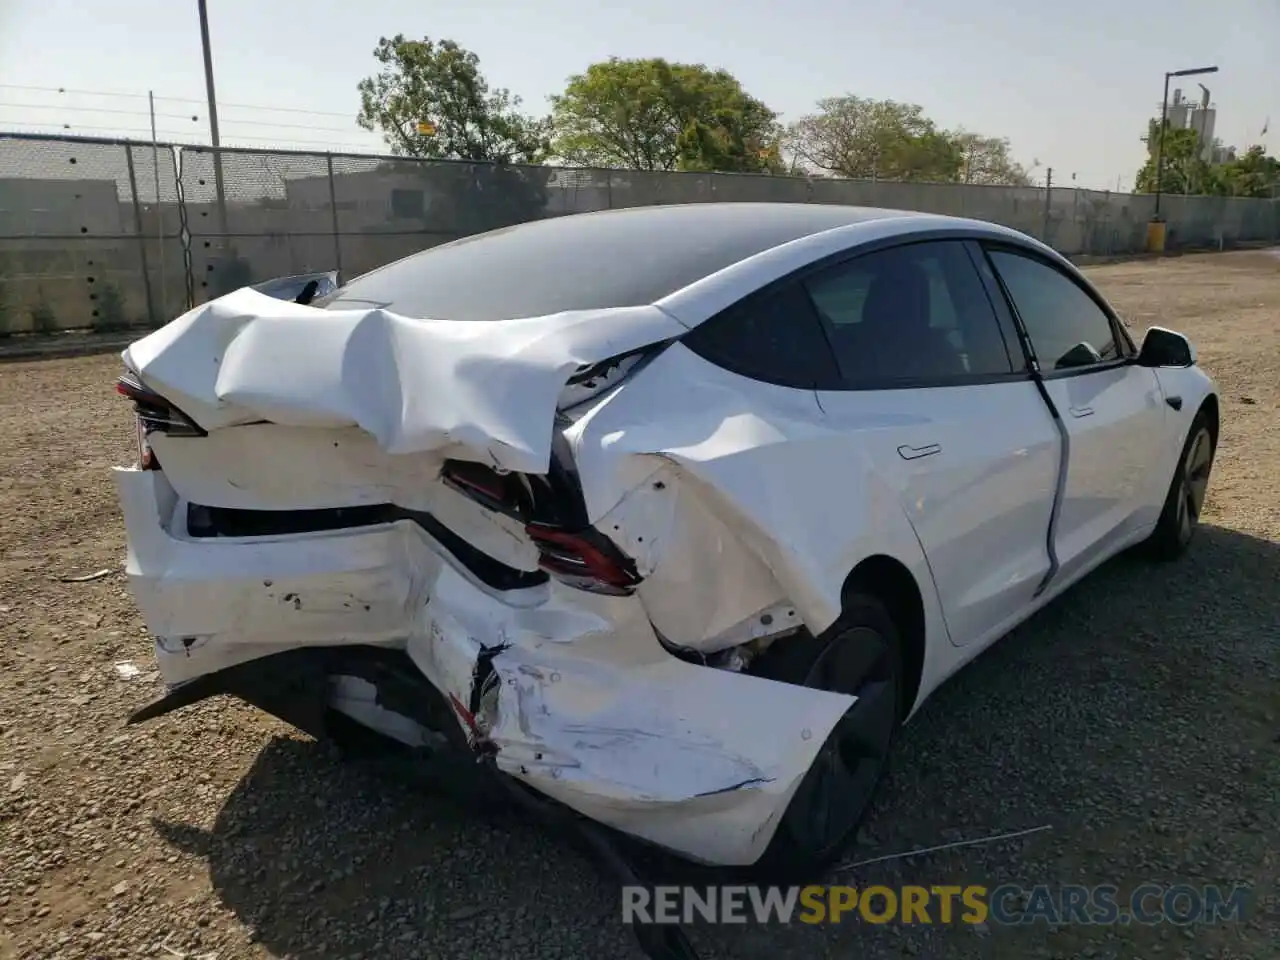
[(1007, 904)]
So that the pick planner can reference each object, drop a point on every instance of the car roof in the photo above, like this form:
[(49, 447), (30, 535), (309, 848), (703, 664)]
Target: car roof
[(614, 258)]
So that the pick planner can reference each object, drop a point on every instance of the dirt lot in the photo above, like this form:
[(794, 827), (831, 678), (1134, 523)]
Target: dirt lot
[(1138, 716)]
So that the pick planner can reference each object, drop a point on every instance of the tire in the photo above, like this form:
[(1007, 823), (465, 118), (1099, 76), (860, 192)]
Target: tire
[(353, 742), (860, 655), (1185, 499)]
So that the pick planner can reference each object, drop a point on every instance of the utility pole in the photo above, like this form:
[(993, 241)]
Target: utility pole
[(213, 119), (1164, 121)]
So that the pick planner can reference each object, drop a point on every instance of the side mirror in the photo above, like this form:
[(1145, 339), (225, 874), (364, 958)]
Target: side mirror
[(1164, 348)]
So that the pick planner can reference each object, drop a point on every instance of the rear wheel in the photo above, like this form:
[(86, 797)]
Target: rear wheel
[(1185, 499), (370, 699), (354, 742), (863, 658)]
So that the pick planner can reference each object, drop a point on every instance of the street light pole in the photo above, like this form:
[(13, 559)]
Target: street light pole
[(1164, 122), (213, 118)]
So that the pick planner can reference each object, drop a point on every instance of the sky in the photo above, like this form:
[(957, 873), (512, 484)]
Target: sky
[(1071, 85)]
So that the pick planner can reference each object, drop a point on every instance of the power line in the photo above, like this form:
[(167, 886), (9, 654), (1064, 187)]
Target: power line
[(143, 96), (178, 116), (60, 106), (249, 140), (87, 93), (250, 106), (91, 130), (292, 126), (87, 127)]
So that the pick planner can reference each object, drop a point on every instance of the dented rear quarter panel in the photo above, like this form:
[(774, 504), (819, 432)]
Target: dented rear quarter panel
[(737, 498)]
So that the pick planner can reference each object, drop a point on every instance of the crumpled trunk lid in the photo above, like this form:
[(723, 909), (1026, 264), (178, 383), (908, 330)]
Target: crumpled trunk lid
[(482, 391), (273, 419)]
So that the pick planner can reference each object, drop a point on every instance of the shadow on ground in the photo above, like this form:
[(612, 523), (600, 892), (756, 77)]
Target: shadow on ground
[(1136, 716)]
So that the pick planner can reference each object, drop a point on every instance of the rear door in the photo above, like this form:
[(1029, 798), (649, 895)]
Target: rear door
[(934, 386), (1112, 408)]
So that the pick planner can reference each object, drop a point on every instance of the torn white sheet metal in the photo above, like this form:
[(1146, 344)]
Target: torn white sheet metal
[(486, 391), (681, 467), (400, 394), (584, 705), (729, 491), (582, 701)]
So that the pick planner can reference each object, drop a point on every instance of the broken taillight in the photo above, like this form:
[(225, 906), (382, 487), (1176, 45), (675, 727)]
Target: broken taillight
[(500, 492), (154, 414), (585, 560), (568, 549)]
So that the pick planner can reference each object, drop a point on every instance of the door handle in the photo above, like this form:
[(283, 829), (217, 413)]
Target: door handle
[(915, 453), (1081, 411)]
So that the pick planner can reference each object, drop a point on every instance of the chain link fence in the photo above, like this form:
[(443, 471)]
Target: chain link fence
[(112, 234)]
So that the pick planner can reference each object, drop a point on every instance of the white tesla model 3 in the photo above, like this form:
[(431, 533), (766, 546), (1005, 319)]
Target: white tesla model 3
[(670, 515)]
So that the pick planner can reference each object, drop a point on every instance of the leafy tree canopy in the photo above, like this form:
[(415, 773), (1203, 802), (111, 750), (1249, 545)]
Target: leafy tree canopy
[(987, 160), (655, 115), (859, 138), (1253, 174), (440, 84), (1185, 171), (856, 137)]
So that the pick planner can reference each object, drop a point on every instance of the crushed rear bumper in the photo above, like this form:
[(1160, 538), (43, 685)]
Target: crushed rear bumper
[(569, 693)]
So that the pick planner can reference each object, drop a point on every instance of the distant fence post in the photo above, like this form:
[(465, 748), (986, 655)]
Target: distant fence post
[(142, 237), (184, 227), (1048, 201), (333, 211)]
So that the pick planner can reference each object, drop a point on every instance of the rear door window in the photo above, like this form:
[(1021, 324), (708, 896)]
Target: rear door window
[(913, 314)]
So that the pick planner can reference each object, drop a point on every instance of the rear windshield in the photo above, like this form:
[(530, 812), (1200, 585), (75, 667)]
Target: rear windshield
[(610, 259)]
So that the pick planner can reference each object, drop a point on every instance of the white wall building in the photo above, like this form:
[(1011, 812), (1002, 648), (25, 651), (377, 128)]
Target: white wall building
[(1200, 116)]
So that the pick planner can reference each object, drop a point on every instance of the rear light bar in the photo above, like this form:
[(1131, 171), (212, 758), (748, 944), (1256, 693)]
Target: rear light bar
[(500, 492), (570, 551), (154, 414), (585, 560)]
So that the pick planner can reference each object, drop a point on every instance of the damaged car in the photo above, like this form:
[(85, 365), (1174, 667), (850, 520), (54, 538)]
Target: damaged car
[(670, 516)]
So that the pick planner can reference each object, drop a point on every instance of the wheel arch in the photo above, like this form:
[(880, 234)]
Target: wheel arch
[(892, 583), (1213, 416)]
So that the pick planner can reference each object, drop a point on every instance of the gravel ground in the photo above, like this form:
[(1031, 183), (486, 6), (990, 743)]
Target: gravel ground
[(1138, 716)]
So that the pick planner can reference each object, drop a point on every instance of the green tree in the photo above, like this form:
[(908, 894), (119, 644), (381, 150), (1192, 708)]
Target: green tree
[(655, 115), (1254, 174), (440, 84), (987, 160), (860, 138), (1183, 169)]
